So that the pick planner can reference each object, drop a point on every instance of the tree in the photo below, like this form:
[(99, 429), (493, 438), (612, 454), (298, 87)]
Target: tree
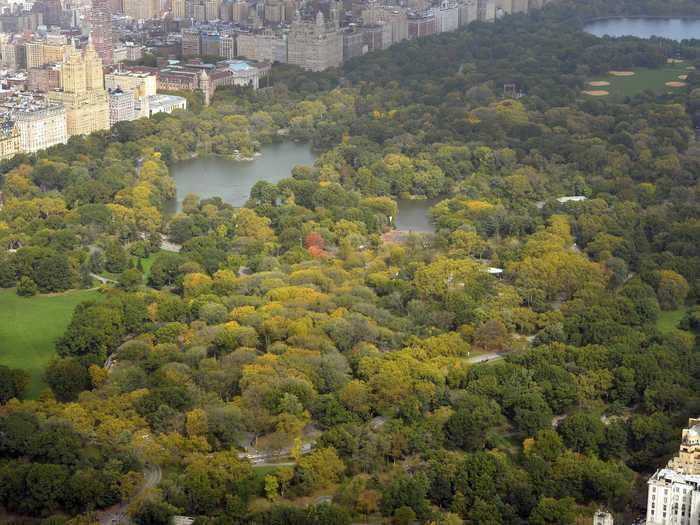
[(153, 512), (94, 331), (130, 280), (54, 274), (582, 432), (403, 516), (116, 258), (13, 383), (550, 511), (672, 289), (318, 470), (406, 491), (469, 426), (67, 378)]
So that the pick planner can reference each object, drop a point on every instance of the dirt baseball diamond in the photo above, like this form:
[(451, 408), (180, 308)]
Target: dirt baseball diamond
[(596, 93), (622, 73), (599, 83)]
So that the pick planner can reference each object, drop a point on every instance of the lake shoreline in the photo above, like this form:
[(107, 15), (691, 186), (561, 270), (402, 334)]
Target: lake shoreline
[(645, 27), (690, 18)]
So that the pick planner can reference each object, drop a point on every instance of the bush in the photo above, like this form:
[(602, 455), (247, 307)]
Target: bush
[(26, 287)]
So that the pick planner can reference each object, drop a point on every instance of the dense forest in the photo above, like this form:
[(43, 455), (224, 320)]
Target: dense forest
[(296, 329)]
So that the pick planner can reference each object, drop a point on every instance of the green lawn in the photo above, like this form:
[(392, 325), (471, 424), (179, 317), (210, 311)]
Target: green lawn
[(668, 321), (146, 263), (644, 78), (29, 326)]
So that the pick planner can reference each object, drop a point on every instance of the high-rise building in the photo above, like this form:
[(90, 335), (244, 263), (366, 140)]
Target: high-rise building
[(265, 46), (122, 107), (100, 21), (210, 44), (393, 20), (420, 26), (44, 79), (520, 6), (486, 10), (35, 54), (82, 92), (191, 43), (353, 43), (178, 9), (447, 17), (51, 11), (41, 123), (227, 46), (141, 9), (9, 139), (240, 11), (141, 84), (468, 12), (674, 491), (315, 45), (211, 9)]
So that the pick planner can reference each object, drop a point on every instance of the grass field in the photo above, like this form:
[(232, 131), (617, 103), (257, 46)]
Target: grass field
[(668, 321), (29, 326), (146, 263), (643, 79)]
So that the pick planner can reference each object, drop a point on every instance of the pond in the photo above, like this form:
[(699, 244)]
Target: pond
[(414, 215), (232, 180), (671, 28)]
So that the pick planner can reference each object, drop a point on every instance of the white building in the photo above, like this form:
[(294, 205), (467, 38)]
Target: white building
[(165, 104), (447, 17), (673, 499), (40, 122), (674, 491), (122, 106)]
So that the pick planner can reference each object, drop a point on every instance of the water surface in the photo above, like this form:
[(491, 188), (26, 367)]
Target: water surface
[(414, 215), (232, 180), (671, 28)]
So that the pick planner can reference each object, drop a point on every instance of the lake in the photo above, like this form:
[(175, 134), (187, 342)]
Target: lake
[(232, 180), (671, 28)]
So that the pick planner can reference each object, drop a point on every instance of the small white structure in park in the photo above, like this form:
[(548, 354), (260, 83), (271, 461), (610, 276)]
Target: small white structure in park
[(602, 517)]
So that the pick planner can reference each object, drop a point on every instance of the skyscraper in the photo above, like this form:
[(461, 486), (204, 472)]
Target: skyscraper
[(101, 29)]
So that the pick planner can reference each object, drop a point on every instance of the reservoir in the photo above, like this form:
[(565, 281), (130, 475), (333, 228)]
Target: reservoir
[(672, 28), (231, 179)]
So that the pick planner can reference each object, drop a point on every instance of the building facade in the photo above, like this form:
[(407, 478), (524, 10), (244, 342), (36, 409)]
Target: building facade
[(41, 123), (100, 21), (315, 45), (82, 93), (265, 46), (122, 106), (674, 491), (9, 139), (165, 104)]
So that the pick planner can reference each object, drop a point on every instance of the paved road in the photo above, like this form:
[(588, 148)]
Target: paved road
[(152, 474), (103, 280), (485, 358)]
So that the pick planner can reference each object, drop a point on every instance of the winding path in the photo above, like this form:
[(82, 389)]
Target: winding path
[(152, 475)]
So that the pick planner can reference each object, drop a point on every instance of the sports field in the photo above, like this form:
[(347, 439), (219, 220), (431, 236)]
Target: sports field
[(619, 84), (29, 326)]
